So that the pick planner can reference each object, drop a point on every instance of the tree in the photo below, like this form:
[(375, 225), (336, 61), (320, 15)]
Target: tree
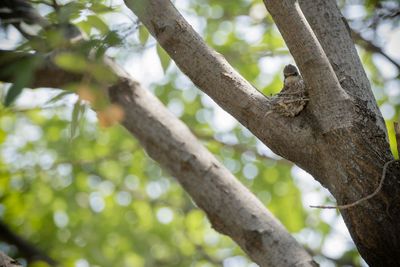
[(340, 138)]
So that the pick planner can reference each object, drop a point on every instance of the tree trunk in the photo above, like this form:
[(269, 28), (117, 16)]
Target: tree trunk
[(340, 138)]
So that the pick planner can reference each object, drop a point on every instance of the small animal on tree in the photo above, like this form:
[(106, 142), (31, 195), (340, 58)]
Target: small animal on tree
[(292, 99)]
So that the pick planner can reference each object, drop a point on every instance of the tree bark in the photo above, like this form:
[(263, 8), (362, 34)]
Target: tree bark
[(212, 74), (357, 152), (231, 208), (334, 35), (340, 138), (6, 261)]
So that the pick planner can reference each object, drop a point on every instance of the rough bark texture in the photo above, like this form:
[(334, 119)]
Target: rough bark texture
[(6, 261), (231, 208), (333, 33), (340, 137), (353, 154), (214, 76)]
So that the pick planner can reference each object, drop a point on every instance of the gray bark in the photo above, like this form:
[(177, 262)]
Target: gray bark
[(356, 152), (211, 73), (231, 208), (334, 35), (6, 261), (340, 137)]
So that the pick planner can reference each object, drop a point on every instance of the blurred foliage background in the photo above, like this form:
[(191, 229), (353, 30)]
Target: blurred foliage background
[(82, 190)]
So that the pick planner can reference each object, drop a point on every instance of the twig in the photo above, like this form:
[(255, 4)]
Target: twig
[(377, 190), (241, 148), (44, 2), (56, 6), (26, 248), (368, 45)]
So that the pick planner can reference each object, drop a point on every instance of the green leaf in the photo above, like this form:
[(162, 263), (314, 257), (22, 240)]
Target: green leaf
[(71, 62), (85, 27), (75, 118), (21, 70), (70, 11), (82, 110), (143, 35), (13, 92), (102, 73), (100, 8), (98, 23), (164, 58), (58, 97), (3, 136), (20, 82)]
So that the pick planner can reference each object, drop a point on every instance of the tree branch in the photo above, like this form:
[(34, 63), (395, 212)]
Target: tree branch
[(6, 261), (368, 136), (28, 250), (369, 46), (206, 68), (231, 208), (287, 137), (336, 138), (353, 157), (212, 74), (322, 84), (333, 33), (361, 200), (241, 148)]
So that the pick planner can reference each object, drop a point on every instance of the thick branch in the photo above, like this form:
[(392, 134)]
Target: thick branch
[(339, 138), (353, 156), (213, 75), (333, 33), (323, 86), (288, 137), (230, 206), (206, 68)]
